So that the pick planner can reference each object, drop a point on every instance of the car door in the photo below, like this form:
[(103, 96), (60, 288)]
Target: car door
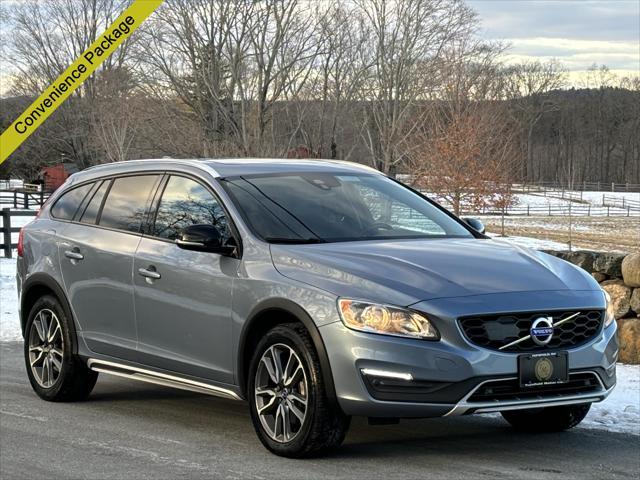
[(183, 297), (96, 256)]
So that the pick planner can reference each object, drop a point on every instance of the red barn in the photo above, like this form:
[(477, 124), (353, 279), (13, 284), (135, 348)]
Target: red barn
[(55, 175)]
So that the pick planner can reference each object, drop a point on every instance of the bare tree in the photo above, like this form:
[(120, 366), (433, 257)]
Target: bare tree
[(231, 62), (407, 40), (466, 157), (46, 37), (526, 85)]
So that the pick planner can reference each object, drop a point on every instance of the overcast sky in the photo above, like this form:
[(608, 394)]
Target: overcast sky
[(579, 33)]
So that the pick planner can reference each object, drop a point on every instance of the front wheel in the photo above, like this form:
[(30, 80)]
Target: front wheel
[(288, 400), (548, 419)]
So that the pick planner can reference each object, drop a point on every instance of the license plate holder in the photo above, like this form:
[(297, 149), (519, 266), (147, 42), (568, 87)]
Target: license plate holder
[(541, 369)]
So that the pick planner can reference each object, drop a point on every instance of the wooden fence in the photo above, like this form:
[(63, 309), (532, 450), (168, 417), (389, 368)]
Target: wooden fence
[(23, 198), (610, 201), (6, 214), (587, 210)]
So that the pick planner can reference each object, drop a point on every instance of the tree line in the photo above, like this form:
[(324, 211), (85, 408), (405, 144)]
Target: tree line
[(404, 86)]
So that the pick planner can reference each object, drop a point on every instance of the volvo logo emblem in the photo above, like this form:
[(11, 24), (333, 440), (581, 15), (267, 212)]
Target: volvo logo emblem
[(542, 330)]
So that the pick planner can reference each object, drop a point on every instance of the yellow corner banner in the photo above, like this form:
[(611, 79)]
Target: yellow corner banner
[(73, 76)]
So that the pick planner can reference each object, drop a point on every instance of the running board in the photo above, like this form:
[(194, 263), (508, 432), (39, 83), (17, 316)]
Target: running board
[(149, 376)]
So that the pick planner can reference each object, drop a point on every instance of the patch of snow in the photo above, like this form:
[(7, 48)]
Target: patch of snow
[(530, 242), (620, 412), (9, 322)]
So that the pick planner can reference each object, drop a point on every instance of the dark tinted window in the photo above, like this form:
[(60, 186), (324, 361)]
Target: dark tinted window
[(91, 212), (126, 202), (67, 205), (322, 207), (186, 202)]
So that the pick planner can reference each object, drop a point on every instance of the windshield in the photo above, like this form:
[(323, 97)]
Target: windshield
[(322, 207)]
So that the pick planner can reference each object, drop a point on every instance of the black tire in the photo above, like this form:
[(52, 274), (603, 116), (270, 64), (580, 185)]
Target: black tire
[(549, 419), (74, 381), (325, 425)]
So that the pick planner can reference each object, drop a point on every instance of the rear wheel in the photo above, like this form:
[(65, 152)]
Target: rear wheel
[(55, 373), (288, 400), (549, 419)]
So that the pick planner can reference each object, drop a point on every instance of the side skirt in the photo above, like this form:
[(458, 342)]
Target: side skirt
[(149, 376)]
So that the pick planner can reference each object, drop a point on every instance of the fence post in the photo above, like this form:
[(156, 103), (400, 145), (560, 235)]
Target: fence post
[(628, 211), (549, 209), (613, 187), (15, 199), (608, 210), (589, 211), (528, 210), (6, 232), (41, 198), (26, 200)]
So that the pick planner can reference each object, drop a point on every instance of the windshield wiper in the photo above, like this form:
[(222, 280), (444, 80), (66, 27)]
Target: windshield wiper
[(293, 240)]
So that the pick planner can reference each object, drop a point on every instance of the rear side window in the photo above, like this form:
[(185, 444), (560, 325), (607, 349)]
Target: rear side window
[(126, 203), (90, 214), (67, 205)]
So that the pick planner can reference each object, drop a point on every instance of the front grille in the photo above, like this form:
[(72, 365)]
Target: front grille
[(510, 390), (495, 331)]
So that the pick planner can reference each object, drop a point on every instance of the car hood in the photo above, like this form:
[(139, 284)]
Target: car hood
[(403, 272)]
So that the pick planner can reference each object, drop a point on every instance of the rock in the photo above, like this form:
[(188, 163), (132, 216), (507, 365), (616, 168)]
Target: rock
[(631, 270), (582, 258), (634, 302), (629, 340), (609, 263), (600, 277), (620, 296)]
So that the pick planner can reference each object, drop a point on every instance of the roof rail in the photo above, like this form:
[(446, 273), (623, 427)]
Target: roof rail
[(181, 161)]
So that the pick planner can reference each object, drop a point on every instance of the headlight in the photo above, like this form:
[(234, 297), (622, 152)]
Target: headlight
[(609, 315), (375, 318)]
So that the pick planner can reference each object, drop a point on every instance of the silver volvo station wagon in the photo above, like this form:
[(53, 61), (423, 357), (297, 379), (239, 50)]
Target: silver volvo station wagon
[(313, 290)]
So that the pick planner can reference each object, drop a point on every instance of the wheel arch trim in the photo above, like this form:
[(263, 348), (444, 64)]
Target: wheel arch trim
[(47, 281), (296, 311)]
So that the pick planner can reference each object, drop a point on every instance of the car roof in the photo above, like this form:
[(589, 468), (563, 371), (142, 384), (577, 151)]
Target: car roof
[(231, 167)]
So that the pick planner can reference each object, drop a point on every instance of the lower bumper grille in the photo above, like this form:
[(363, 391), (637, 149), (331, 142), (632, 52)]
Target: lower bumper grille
[(510, 390)]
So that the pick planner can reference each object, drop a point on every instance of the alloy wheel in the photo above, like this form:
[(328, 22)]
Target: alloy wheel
[(281, 393), (46, 348)]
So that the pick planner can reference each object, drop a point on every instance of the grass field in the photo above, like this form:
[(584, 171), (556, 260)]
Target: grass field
[(591, 233)]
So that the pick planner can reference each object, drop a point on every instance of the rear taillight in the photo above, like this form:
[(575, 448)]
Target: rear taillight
[(21, 243)]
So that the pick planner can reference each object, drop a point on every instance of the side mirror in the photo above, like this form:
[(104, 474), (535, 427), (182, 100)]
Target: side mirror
[(474, 223), (203, 238)]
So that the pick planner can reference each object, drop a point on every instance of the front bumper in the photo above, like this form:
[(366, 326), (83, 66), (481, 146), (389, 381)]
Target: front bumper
[(451, 376)]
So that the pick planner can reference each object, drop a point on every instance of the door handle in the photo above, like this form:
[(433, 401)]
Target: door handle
[(73, 254), (149, 273)]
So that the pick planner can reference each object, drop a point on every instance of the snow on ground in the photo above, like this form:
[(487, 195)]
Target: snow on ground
[(9, 323), (530, 242), (618, 413)]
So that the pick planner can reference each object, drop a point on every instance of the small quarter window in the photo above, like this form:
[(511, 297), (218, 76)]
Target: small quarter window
[(66, 206), (90, 214)]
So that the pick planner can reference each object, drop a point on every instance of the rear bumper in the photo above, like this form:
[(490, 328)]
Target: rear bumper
[(436, 379)]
